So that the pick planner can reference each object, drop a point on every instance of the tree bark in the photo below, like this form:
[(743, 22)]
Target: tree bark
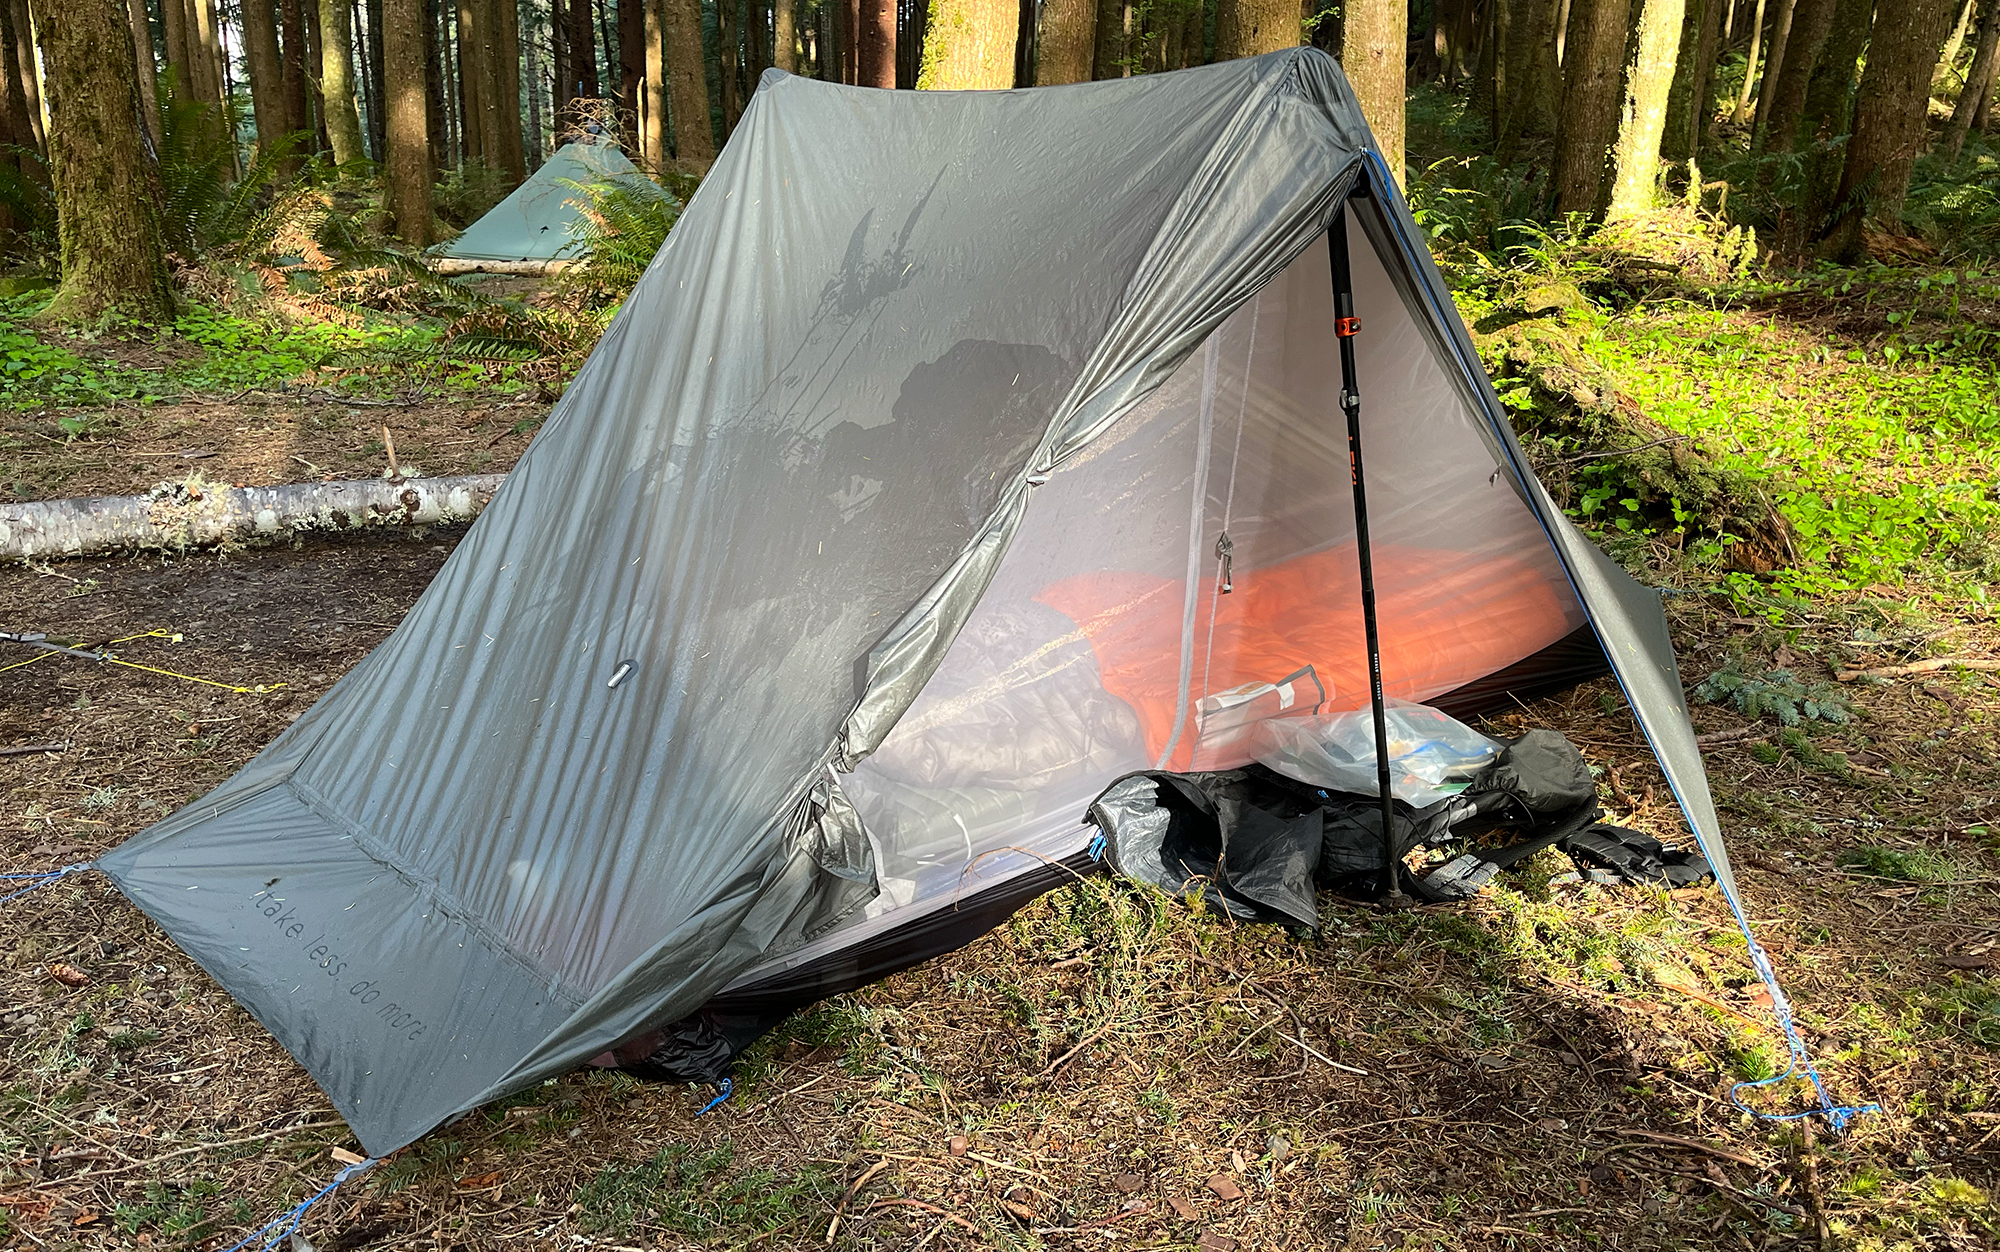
[(14, 104), (728, 48), (1591, 92), (694, 131), (1811, 21), (1373, 46), (28, 72), (292, 54), (878, 44), (267, 88), (1948, 59), (1889, 114), (631, 60), (1830, 95), (472, 79), (406, 167), (1647, 81), (653, 135), (1978, 80), (1774, 68), (174, 22), (175, 517), (511, 152), (146, 68), (372, 68), (1678, 143), (1531, 63), (531, 73), (582, 50), (969, 45), (107, 188), (336, 82), (1248, 28), (1108, 50), (785, 35), (1742, 114)]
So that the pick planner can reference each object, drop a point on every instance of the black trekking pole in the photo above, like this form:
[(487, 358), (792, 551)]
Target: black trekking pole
[(1345, 327)]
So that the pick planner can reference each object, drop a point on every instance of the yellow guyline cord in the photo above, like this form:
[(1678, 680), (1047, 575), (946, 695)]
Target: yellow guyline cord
[(109, 659)]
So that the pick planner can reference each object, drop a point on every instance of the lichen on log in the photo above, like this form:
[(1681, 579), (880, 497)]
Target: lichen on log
[(175, 517)]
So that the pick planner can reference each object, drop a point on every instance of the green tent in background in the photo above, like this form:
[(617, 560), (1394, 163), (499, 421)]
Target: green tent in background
[(537, 224)]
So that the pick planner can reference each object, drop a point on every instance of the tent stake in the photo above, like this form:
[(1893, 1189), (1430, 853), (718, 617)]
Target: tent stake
[(1345, 327)]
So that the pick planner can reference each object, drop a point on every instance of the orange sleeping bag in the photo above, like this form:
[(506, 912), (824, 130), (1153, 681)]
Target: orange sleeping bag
[(1446, 619)]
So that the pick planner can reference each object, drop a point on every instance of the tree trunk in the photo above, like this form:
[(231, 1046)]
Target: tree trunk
[(582, 50), (1948, 59), (107, 188), (336, 81), (878, 43), (653, 135), (785, 35), (850, 20), (1530, 63), (531, 73), (1830, 94), (27, 71), (631, 60), (14, 105), (406, 166), (1647, 81), (176, 517), (471, 80), (1374, 41), (372, 67), (1742, 114), (1591, 91), (1248, 28), (728, 48), (1678, 143), (208, 51), (1978, 80), (1889, 114), (147, 70), (292, 51), (511, 151), (1774, 68), (174, 23), (687, 84), (267, 88), (1107, 58), (1786, 92), (1194, 35), (969, 45)]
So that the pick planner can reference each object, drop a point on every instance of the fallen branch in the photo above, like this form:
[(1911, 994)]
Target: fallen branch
[(27, 748), (1980, 664), (178, 516)]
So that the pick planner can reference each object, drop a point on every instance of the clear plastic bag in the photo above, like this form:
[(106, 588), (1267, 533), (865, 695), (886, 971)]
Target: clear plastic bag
[(1431, 755)]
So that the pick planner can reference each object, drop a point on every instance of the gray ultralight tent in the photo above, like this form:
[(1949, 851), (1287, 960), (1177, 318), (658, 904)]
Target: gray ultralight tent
[(535, 226), (878, 535)]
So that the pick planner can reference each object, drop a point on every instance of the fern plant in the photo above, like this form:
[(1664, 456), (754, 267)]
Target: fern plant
[(622, 226)]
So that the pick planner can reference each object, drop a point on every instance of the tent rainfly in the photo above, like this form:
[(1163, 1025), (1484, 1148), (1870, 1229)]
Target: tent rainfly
[(955, 448), (534, 229)]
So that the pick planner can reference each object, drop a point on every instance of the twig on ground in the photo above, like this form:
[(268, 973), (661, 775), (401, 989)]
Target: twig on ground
[(1934, 664), (28, 748), (1695, 1145), (1741, 734)]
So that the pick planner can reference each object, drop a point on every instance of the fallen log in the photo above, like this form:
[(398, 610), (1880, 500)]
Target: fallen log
[(174, 517)]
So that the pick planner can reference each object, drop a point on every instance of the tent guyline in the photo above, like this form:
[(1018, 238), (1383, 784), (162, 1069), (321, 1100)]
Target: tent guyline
[(895, 511)]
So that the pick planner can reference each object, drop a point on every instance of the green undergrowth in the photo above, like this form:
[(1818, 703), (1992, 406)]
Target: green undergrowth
[(696, 1194)]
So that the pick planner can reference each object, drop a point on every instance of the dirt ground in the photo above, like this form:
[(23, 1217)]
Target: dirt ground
[(1545, 1066), (261, 439)]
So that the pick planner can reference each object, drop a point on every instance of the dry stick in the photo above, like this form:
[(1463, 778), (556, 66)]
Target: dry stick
[(389, 443), (27, 748), (841, 1209), (897, 1202), (1741, 734), (206, 1147), (1695, 1145), (1815, 1201), (1921, 667)]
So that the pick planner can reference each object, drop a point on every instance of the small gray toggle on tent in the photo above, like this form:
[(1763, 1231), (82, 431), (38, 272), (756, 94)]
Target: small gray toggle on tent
[(535, 227), (958, 454)]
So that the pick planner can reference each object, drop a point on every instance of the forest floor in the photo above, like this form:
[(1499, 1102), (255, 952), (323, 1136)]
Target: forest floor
[(1548, 1065)]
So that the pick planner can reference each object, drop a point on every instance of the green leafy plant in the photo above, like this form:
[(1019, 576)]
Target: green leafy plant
[(693, 1194), (621, 228)]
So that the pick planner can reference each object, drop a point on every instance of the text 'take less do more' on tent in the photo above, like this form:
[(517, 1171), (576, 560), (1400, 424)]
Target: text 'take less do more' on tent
[(891, 501)]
